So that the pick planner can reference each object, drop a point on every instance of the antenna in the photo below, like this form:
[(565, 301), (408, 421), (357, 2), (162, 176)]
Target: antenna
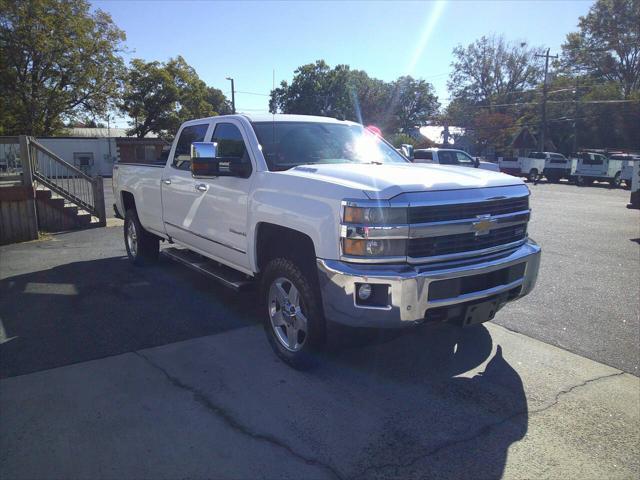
[(273, 114)]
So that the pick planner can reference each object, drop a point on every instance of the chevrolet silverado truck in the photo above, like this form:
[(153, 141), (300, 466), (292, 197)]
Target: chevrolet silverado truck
[(333, 225)]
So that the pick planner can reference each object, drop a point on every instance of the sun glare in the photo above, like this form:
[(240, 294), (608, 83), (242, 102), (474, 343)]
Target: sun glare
[(429, 26)]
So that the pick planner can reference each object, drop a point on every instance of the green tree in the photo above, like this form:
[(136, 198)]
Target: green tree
[(318, 89), (57, 61), (160, 96), (492, 70), (413, 102), (607, 45)]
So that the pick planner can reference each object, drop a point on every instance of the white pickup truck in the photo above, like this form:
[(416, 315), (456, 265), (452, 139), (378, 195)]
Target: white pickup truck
[(450, 156), (332, 223), (529, 167)]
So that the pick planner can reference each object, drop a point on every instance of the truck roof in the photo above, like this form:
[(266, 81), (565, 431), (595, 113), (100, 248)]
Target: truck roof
[(284, 117), (278, 117), (436, 149)]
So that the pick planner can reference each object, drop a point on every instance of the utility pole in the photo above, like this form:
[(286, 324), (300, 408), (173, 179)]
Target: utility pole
[(543, 126), (575, 116), (233, 96)]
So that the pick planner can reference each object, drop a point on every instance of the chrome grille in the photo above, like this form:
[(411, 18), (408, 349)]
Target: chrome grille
[(441, 213), (465, 242)]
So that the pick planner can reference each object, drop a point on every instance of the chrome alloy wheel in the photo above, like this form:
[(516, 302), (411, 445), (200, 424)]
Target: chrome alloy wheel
[(132, 239), (286, 313)]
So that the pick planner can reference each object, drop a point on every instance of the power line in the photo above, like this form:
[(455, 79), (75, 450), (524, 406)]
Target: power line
[(254, 93)]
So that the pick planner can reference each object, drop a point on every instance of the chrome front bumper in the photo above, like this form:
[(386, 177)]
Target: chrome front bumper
[(408, 300)]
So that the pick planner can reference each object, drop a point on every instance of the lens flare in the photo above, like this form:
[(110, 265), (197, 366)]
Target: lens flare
[(430, 25)]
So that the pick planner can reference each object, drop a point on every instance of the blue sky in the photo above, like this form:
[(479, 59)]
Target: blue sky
[(248, 40)]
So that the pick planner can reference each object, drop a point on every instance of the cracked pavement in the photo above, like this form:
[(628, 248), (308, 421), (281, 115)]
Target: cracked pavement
[(220, 406), (107, 371)]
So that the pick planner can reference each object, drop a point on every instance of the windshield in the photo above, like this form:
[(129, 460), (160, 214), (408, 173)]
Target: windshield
[(288, 144)]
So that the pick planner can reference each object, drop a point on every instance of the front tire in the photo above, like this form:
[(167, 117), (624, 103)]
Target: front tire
[(533, 175), (142, 247), (294, 322)]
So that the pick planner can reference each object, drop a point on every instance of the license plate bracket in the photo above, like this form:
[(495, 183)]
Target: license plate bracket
[(480, 312)]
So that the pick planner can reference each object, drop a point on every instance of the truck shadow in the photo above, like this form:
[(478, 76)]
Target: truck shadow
[(87, 310), (454, 404), (434, 401)]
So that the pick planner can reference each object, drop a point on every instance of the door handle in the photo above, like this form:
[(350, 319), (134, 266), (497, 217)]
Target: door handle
[(166, 182), (201, 187)]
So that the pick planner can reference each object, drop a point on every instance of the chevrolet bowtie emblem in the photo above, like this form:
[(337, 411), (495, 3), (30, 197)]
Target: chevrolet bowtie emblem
[(483, 225)]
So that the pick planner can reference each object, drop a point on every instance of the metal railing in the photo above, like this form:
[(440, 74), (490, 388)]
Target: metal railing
[(35, 164), (10, 164)]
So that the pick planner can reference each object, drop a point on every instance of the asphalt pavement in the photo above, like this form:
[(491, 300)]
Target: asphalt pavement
[(587, 299), (111, 371)]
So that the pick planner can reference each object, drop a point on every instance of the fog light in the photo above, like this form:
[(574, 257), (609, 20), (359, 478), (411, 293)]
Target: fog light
[(364, 291)]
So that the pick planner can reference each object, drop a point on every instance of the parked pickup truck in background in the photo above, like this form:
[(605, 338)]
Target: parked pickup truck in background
[(447, 156), (529, 167), (332, 223), (626, 172), (593, 167), (556, 165)]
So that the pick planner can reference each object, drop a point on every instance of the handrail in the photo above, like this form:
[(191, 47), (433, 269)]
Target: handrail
[(55, 157), (68, 181), (9, 140)]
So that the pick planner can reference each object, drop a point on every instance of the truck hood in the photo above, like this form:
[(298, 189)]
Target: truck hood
[(389, 180)]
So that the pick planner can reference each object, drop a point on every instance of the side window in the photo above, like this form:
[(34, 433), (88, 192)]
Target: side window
[(190, 134), (422, 155), (464, 159), (447, 158), (230, 145)]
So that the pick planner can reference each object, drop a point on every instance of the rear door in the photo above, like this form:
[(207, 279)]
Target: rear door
[(180, 199)]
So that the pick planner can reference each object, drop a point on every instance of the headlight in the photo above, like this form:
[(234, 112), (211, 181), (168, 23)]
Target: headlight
[(374, 248), (374, 232), (375, 215)]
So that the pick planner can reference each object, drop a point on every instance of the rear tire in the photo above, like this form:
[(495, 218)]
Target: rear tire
[(552, 178), (616, 182), (533, 175), (142, 247), (294, 322)]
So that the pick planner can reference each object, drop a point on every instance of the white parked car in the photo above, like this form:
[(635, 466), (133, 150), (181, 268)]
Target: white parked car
[(449, 156), (332, 224)]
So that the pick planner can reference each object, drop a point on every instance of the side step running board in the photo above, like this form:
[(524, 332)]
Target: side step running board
[(221, 273)]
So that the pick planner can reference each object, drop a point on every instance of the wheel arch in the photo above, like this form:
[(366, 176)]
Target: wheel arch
[(273, 241), (128, 201)]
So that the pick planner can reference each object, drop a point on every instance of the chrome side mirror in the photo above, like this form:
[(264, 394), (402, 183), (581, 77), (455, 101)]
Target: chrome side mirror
[(203, 150), (203, 159)]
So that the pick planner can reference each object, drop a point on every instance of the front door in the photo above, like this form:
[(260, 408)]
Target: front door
[(220, 221), (180, 199)]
